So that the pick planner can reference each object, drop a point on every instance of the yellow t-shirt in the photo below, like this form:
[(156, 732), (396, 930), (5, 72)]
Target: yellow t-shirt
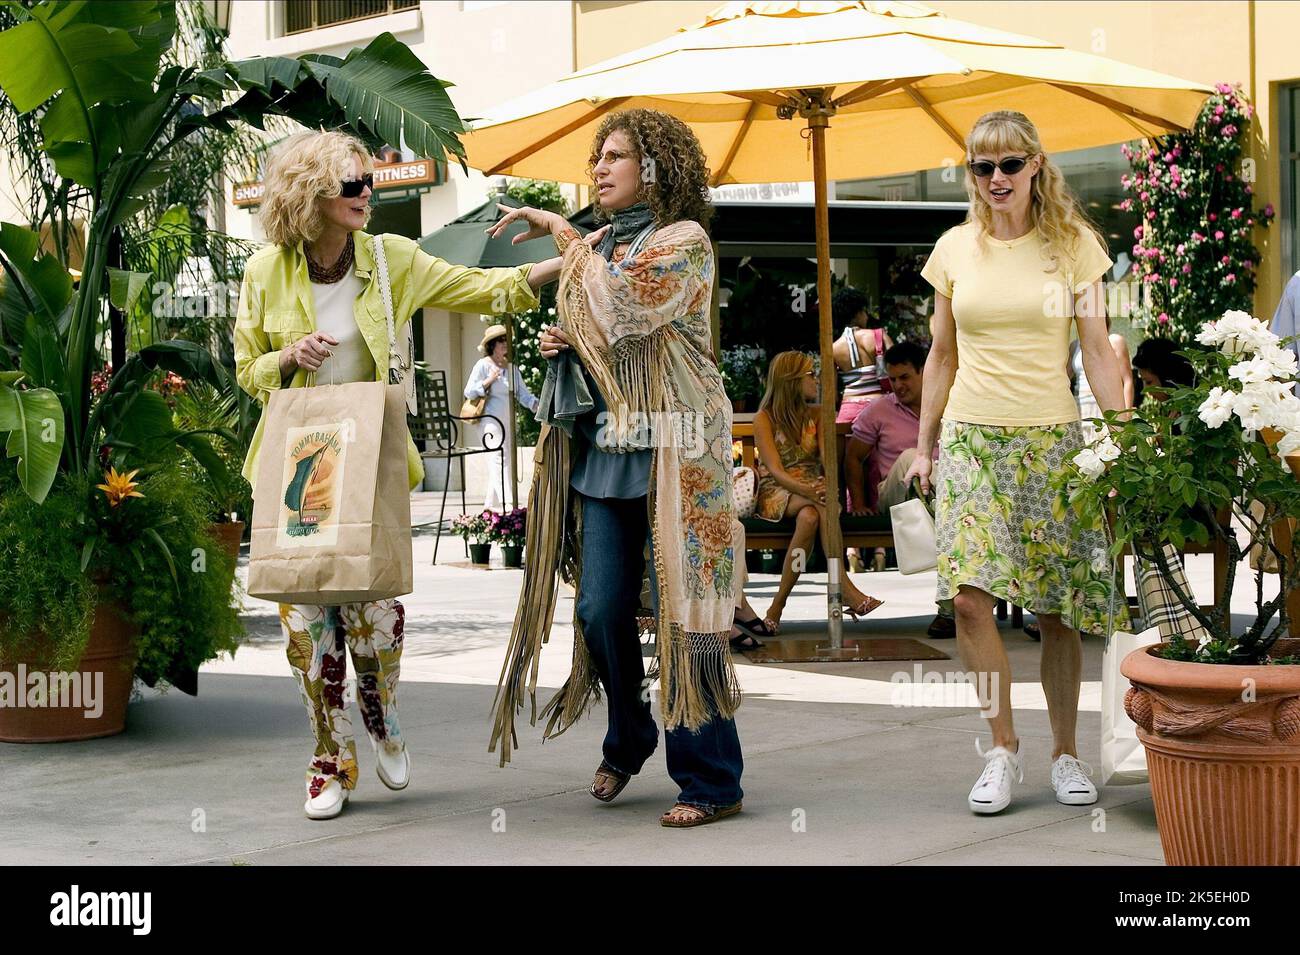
[(1013, 315)]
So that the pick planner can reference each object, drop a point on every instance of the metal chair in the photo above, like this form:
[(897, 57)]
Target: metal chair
[(440, 431)]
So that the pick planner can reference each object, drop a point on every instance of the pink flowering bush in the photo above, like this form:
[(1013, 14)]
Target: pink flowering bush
[(1194, 247)]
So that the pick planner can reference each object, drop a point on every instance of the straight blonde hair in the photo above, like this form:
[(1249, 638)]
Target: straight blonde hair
[(301, 171), (783, 400), (1053, 209)]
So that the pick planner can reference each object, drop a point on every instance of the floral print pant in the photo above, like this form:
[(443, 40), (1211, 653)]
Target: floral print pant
[(316, 637)]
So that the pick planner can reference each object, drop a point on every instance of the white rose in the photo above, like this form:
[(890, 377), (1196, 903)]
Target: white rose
[(1089, 463), (1281, 361), (1259, 405), (1290, 443), (1251, 371), (1217, 408), (1107, 450)]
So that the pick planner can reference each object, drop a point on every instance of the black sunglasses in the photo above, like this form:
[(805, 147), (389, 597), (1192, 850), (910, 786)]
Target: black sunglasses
[(1009, 166), (351, 188)]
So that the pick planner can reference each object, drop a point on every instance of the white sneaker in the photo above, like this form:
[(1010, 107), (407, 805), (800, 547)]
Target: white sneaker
[(992, 791), (394, 769), (1071, 782), (329, 803)]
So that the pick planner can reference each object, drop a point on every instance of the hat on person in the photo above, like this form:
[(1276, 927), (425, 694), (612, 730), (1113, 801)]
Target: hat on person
[(493, 331)]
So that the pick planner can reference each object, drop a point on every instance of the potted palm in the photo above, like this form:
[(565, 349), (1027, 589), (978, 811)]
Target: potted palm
[(1220, 718), (110, 120)]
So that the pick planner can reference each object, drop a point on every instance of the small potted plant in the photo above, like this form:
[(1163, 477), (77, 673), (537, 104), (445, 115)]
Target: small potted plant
[(508, 530), (1220, 719), (476, 529), (744, 369)]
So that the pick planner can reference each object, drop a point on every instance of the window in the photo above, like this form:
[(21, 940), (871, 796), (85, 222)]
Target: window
[(1289, 220), (303, 15)]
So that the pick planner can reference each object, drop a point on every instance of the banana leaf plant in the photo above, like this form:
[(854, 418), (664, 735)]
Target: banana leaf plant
[(111, 115)]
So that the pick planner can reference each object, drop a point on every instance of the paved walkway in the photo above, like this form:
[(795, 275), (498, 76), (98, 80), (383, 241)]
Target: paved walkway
[(840, 765)]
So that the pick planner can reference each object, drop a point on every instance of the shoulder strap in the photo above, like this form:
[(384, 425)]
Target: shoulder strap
[(400, 359), (851, 339), (880, 342)]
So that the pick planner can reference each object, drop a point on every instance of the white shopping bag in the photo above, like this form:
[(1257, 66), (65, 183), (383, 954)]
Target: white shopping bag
[(1123, 759)]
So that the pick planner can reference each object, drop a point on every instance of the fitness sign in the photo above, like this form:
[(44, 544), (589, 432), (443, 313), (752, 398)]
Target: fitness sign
[(398, 175)]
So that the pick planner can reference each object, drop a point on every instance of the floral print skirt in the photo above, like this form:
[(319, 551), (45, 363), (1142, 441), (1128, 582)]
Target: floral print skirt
[(1002, 528)]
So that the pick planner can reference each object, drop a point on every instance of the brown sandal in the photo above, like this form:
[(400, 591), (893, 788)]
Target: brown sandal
[(688, 816), (606, 771)]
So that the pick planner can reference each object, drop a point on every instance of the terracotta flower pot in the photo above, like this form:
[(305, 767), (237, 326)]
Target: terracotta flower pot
[(1223, 752), (106, 670), (229, 534)]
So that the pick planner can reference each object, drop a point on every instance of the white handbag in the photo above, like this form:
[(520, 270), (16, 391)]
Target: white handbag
[(744, 491), (401, 360), (1123, 758), (914, 537)]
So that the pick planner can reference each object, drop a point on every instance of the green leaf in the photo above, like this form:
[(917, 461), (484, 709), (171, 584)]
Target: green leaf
[(42, 358), (34, 420), (124, 287), (86, 551), (167, 555)]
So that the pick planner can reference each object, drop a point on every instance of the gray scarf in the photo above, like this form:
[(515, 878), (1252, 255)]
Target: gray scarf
[(565, 396)]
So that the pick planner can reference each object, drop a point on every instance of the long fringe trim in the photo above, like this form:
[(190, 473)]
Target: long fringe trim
[(553, 541), (698, 678)]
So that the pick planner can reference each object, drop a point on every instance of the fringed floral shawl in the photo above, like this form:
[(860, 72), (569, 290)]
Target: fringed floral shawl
[(641, 328)]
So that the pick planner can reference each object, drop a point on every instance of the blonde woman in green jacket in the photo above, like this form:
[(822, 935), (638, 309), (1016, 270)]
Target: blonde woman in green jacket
[(310, 312)]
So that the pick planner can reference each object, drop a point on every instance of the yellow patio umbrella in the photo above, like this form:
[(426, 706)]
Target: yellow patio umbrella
[(902, 83)]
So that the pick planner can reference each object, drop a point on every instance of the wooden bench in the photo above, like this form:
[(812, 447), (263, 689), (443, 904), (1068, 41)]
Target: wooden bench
[(876, 531)]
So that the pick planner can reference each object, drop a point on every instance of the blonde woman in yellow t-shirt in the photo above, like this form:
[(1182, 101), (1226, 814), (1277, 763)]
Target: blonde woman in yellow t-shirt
[(1008, 284)]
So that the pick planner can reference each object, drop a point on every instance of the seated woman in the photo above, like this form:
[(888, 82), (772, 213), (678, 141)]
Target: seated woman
[(790, 478)]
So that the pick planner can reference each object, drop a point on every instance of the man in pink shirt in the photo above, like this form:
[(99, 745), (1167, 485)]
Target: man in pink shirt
[(882, 445)]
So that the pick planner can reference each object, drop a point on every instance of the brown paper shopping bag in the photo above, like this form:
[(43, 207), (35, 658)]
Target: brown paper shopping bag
[(332, 508)]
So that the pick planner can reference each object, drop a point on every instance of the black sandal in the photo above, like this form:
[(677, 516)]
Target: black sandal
[(745, 641), (756, 628), (609, 772)]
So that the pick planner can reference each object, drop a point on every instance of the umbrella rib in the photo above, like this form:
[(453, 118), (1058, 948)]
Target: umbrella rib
[(554, 135), (869, 90), (763, 96), (735, 143), (1119, 108), (930, 111)]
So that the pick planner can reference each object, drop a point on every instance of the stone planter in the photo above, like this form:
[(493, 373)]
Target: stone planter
[(1223, 752)]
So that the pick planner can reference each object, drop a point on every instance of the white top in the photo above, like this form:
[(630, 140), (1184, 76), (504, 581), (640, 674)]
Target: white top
[(497, 404), (350, 360)]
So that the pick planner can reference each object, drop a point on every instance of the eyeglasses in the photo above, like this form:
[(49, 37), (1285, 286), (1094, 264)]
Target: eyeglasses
[(351, 188), (1009, 166)]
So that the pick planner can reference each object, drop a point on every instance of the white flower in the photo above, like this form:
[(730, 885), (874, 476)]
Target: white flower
[(1217, 408), (1251, 371), (1237, 332), (1106, 449), (1260, 404), (1089, 463), (1281, 361), (1290, 443)]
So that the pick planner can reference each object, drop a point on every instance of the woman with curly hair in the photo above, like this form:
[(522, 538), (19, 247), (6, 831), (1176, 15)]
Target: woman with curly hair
[(311, 313), (1008, 283), (635, 452)]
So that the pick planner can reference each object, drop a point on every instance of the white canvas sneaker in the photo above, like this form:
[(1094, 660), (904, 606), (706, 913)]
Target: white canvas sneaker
[(1071, 782), (992, 791), (394, 769), (329, 803)]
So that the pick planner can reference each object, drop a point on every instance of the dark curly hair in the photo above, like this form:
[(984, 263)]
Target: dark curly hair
[(679, 189), (845, 305)]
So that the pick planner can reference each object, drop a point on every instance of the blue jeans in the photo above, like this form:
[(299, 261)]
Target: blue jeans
[(705, 764)]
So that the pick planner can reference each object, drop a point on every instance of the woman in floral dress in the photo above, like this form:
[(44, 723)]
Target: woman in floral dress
[(1009, 282)]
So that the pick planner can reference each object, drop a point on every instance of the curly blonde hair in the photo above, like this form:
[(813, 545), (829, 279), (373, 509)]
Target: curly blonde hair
[(679, 189), (1052, 206), (302, 170), (783, 400)]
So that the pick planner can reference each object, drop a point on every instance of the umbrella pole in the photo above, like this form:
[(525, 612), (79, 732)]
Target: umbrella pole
[(817, 123)]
